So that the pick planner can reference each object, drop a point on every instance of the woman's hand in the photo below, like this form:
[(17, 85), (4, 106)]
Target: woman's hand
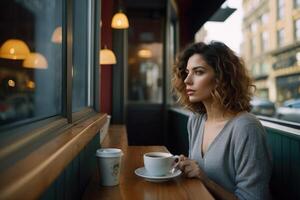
[(190, 168)]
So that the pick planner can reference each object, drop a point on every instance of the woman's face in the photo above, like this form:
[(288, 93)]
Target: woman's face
[(200, 80)]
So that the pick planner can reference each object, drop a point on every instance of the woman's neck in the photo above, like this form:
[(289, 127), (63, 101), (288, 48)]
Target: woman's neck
[(216, 113)]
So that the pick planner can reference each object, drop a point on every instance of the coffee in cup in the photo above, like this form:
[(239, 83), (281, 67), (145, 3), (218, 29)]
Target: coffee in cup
[(109, 164), (159, 163)]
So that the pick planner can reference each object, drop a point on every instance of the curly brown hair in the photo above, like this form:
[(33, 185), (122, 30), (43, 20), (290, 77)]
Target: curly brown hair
[(234, 87)]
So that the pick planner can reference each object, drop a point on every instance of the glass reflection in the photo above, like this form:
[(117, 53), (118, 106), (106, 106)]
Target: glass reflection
[(145, 60), (30, 86)]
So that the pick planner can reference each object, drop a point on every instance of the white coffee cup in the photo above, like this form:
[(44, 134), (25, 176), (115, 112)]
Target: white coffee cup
[(159, 163), (109, 164)]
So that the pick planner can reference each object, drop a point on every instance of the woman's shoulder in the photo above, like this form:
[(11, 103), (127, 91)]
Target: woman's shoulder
[(247, 125), (246, 119)]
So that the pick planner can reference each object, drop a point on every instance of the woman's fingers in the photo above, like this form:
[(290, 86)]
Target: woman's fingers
[(189, 167), (191, 174), (185, 164), (182, 157)]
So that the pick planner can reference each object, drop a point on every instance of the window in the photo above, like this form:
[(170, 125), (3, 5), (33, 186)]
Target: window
[(264, 41), (296, 105), (297, 29), (264, 68), (280, 9), (145, 60), (31, 80), (253, 27), (252, 46), (80, 59), (36, 86), (264, 19), (275, 74), (255, 70), (280, 37), (296, 3)]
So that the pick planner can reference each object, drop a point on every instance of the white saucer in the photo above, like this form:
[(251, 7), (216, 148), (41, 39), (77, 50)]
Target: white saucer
[(141, 172)]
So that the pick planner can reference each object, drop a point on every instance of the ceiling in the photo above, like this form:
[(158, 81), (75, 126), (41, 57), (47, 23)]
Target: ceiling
[(194, 13)]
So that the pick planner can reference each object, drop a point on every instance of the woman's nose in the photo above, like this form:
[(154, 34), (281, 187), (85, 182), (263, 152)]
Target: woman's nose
[(187, 80)]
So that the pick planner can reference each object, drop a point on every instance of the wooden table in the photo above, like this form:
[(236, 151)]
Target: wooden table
[(132, 187)]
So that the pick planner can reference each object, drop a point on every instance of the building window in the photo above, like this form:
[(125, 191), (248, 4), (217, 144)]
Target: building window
[(297, 29), (264, 41), (252, 47), (296, 3), (253, 27), (264, 68), (264, 19), (255, 70), (280, 9), (280, 37)]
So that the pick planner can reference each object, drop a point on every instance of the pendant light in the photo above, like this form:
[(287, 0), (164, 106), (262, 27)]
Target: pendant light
[(145, 53), (57, 35), (120, 21), (14, 49), (35, 61), (107, 57)]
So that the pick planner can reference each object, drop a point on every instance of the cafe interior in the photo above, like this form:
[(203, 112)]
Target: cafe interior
[(79, 75)]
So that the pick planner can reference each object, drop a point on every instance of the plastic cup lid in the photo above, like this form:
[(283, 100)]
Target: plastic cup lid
[(109, 152)]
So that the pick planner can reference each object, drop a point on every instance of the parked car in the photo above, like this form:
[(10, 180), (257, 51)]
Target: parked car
[(262, 107), (289, 111)]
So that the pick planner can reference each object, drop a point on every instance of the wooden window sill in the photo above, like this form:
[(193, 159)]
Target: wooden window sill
[(31, 176)]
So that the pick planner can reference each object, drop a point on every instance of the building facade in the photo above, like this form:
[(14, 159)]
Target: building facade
[(271, 47)]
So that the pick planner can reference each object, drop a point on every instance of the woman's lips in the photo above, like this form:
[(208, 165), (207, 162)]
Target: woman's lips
[(190, 92)]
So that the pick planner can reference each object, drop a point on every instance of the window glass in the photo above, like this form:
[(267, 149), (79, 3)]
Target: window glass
[(280, 37), (80, 55), (145, 60), (280, 9), (264, 68), (252, 46), (296, 3), (275, 69), (264, 41), (297, 29), (30, 60), (253, 27), (264, 19)]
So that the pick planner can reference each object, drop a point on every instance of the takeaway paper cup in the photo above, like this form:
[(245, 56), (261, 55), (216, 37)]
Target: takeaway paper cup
[(109, 163)]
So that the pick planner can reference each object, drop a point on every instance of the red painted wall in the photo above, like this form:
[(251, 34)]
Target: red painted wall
[(106, 70)]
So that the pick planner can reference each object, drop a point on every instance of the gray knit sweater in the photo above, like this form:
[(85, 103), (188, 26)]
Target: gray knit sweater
[(238, 159)]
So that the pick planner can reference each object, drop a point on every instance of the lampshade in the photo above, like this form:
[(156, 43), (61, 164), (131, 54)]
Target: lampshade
[(119, 21), (14, 49), (35, 61), (57, 35), (107, 57)]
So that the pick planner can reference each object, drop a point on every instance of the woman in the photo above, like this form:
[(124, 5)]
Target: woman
[(227, 145)]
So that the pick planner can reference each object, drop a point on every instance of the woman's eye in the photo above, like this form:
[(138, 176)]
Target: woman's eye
[(199, 72)]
